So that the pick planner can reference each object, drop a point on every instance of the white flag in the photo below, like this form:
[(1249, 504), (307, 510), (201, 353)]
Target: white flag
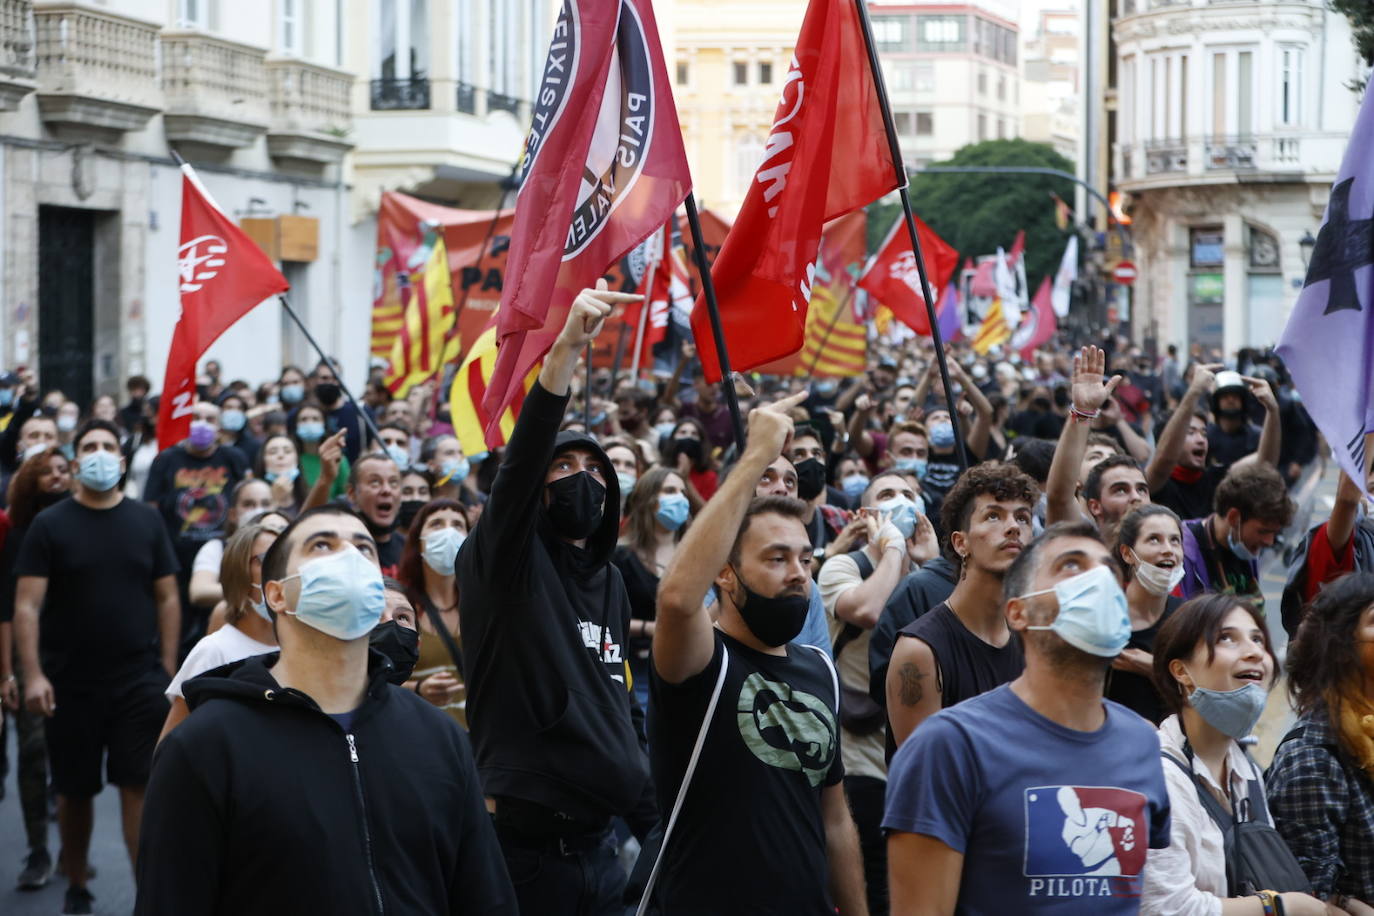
[(1064, 277)]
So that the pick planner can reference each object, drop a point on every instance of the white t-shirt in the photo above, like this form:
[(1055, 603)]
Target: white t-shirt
[(225, 645), (208, 557), (863, 754)]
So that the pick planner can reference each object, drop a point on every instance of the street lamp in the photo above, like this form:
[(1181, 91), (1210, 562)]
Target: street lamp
[(1307, 243)]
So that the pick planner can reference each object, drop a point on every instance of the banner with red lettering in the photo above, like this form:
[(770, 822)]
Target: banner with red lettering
[(224, 275), (891, 274), (828, 154)]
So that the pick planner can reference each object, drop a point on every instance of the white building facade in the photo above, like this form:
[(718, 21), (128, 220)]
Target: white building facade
[(1050, 84), (1232, 121)]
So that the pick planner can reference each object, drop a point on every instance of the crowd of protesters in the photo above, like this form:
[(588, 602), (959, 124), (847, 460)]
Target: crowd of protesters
[(999, 649)]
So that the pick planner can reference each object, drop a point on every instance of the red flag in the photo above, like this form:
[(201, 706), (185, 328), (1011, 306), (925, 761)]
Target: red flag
[(827, 155), (224, 274), (592, 185), (1038, 324), (891, 274)]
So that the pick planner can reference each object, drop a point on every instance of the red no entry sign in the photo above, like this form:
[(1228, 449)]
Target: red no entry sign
[(1124, 273)]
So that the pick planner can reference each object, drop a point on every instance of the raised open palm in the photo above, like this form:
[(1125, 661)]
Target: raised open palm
[(1089, 391)]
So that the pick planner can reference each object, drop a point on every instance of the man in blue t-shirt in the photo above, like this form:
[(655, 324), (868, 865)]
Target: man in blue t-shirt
[(1039, 796)]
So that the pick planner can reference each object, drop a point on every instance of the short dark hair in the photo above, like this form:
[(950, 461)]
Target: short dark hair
[(355, 471), (1092, 487), (1033, 456), (274, 562), (1017, 580), (1256, 491), (766, 505), (90, 426), (1002, 481), (1102, 440), (1196, 622), (1323, 658), (138, 381)]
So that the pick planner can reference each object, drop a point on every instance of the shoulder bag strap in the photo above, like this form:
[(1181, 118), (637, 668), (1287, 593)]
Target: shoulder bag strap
[(686, 781), (834, 675), (437, 621)]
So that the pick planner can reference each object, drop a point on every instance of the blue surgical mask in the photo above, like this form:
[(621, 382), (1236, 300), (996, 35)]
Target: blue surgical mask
[(627, 482), (261, 607), (310, 432), (455, 470), (66, 423), (289, 474), (902, 513), (341, 594), (942, 434), (1239, 549), (673, 510), (6, 397), (232, 420), (1092, 613), (292, 394), (1231, 712), (441, 549), (664, 429), (917, 466), (399, 455), (853, 486), (98, 471)]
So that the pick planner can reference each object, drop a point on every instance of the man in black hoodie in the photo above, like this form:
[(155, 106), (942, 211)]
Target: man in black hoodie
[(544, 616), (303, 782)]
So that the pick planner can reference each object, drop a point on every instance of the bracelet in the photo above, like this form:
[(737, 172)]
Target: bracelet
[(1271, 903), (1083, 414)]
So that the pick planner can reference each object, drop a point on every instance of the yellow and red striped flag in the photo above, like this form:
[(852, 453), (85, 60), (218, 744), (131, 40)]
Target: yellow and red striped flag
[(993, 331), (418, 352), (844, 352), (470, 383)]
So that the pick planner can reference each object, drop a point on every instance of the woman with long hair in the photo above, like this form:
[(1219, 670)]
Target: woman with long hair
[(656, 515), (278, 463), (247, 626), (1149, 544), (688, 451), (427, 571), (1321, 783), (1214, 667)]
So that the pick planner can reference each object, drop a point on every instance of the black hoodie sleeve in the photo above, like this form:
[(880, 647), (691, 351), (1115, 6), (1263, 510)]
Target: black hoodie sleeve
[(507, 527), (179, 846)]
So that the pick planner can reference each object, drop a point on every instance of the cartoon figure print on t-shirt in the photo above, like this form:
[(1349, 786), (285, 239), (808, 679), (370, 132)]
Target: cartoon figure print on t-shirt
[(787, 728), (1085, 841), (202, 504)]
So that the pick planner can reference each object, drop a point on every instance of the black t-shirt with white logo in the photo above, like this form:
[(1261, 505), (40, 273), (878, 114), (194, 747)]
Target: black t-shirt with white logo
[(750, 838)]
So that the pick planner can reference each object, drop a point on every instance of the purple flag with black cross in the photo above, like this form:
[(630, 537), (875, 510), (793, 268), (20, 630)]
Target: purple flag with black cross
[(1328, 344)]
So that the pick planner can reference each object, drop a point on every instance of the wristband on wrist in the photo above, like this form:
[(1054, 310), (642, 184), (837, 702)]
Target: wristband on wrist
[(1083, 414), (1271, 903)]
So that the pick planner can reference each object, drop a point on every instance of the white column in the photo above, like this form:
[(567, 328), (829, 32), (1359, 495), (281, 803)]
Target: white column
[(1235, 309)]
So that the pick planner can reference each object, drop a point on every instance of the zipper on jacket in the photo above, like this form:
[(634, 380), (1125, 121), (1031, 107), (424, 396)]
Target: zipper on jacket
[(367, 833)]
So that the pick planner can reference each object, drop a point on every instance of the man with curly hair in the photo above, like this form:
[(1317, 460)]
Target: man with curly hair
[(962, 647)]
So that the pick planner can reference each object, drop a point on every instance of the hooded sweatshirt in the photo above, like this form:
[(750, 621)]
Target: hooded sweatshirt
[(261, 803), (544, 627)]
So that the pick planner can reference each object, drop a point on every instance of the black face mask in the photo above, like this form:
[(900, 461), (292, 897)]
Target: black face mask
[(774, 621), (690, 447), (1230, 413), (810, 478), (575, 505), (398, 643), (327, 392), (409, 509)]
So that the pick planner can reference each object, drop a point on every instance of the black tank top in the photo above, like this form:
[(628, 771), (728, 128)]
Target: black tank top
[(967, 666)]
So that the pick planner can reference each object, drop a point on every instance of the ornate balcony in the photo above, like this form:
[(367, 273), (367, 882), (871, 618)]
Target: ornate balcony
[(216, 90), (16, 52), (96, 70), (1231, 153), (311, 112), (400, 94), (1166, 156)]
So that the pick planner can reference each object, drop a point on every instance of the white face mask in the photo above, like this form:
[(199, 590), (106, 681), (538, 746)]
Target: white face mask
[(441, 549), (1157, 580)]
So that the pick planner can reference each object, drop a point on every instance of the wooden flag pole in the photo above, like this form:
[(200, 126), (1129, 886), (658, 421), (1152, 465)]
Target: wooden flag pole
[(717, 331), (895, 149)]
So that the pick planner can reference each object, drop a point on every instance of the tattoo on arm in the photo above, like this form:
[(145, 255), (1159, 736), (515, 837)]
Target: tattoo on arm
[(912, 692)]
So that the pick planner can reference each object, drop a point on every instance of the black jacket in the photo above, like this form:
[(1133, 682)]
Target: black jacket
[(544, 627), (260, 803)]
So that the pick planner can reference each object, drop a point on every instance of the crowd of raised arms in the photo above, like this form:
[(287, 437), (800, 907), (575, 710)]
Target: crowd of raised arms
[(999, 650)]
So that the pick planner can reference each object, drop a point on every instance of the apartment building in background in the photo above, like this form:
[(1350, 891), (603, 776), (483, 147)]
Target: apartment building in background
[(1050, 83)]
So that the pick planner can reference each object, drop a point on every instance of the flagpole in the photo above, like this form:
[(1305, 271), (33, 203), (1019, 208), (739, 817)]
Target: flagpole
[(708, 288), (896, 151), (644, 309), (619, 356), (587, 391), (338, 373), (834, 319)]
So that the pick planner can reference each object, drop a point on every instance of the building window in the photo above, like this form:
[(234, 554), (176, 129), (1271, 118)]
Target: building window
[(903, 77), (1207, 247), (982, 82), (1244, 98), (748, 155), (291, 27), (1001, 129), (982, 127), (890, 32), (1218, 95), (925, 77), (765, 73), (1290, 87), (940, 33), (741, 73), (904, 122), (193, 14), (504, 57), (400, 45), (925, 123), (682, 73), (1001, 88)]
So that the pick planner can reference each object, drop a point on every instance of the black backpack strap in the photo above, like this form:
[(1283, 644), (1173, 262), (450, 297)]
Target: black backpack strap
[(861, 560), (437, 621), (853, 631)]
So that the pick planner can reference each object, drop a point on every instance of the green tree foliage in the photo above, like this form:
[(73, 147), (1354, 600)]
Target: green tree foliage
[(978, 212), (1361, 16)]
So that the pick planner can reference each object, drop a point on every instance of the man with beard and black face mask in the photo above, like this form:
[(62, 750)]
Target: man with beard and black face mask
[(544, 617), (772, 832), (339, 412)]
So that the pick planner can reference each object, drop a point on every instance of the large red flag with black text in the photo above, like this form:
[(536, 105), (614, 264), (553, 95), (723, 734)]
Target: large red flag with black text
[(892, 278), (223, 275), (603, 168), (828, 154)]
